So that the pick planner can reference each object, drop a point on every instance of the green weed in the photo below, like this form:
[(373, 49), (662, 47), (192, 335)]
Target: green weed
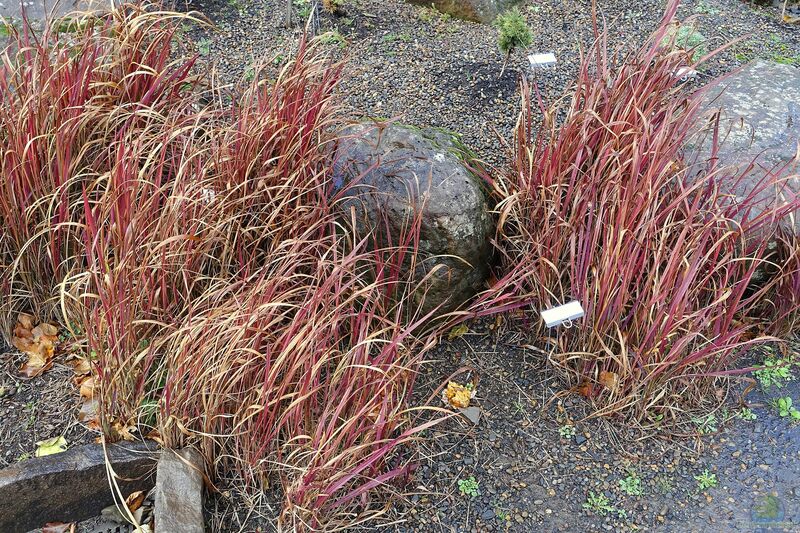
[(785, 408), (468, 487), (631, 484), (600, 504), (706, 480)]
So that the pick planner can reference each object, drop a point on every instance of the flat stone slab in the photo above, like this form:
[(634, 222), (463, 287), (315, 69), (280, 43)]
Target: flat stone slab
[(178, 504), (759, 121), (71, 486)]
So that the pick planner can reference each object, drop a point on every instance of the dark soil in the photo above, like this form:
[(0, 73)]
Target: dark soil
[(409, 62), (36, 409)]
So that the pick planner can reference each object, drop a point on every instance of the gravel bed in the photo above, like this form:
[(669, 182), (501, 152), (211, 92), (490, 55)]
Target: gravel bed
[(36, 409), (405, 61)]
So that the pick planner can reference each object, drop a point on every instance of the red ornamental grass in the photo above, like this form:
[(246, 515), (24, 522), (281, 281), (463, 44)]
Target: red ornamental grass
[(230, 306), (602, 209), (64, 107)]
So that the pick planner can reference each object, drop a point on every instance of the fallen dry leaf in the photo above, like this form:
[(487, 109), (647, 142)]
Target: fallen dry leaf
[(25, 320), (38, 343), (81, 366), (87, 388), (89, 414), (135, 500), (585, 389), (457, 395), (123, 432), (609, 380), (51, 446)]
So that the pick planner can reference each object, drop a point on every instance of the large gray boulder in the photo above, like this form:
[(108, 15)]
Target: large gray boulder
[(400, 171), (759, 110), (73, 485), (477, 10)]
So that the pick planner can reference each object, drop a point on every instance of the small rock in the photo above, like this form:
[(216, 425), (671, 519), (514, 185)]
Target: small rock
[(179, 492), (472, 413), (579, 439)]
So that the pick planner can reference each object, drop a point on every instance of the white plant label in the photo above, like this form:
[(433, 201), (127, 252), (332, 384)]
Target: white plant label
[(558, 315), (542, 60)]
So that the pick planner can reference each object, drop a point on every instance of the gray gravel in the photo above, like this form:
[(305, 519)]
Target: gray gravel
[(403, 60), (532, 478)]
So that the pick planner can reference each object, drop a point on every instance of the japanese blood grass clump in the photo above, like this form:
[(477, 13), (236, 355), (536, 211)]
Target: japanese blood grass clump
[(225, 300), (65, 100), (599, 207), (278, 342)]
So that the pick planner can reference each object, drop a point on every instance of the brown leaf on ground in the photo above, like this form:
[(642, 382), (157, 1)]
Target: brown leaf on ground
[(123, 432), (89, 414), (155, 435), (457, 395), (81, 365), (609, 380), (25, 320), (37, 342), (40, 359), (135, 500), (87, 387)]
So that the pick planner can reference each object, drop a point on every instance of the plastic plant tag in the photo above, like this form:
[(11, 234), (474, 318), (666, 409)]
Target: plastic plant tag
[(542, 60), (686, 74), (563, 313)]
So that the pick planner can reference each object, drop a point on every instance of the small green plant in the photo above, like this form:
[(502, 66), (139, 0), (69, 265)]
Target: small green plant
[(204, 46), (514, 33), (686, 37), (704, 8), (600, 504), (773, 48), (631, 484), (664, 484), (333, 37), (776, 372), (502, 514), (6, 28), (31, 408), (249, 74), (706, 480), (431, 14), (705, 424), (746, 414), (427, 14), (303, 8), (392, 37), (468, 487), (567, 431), (785, 408)]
